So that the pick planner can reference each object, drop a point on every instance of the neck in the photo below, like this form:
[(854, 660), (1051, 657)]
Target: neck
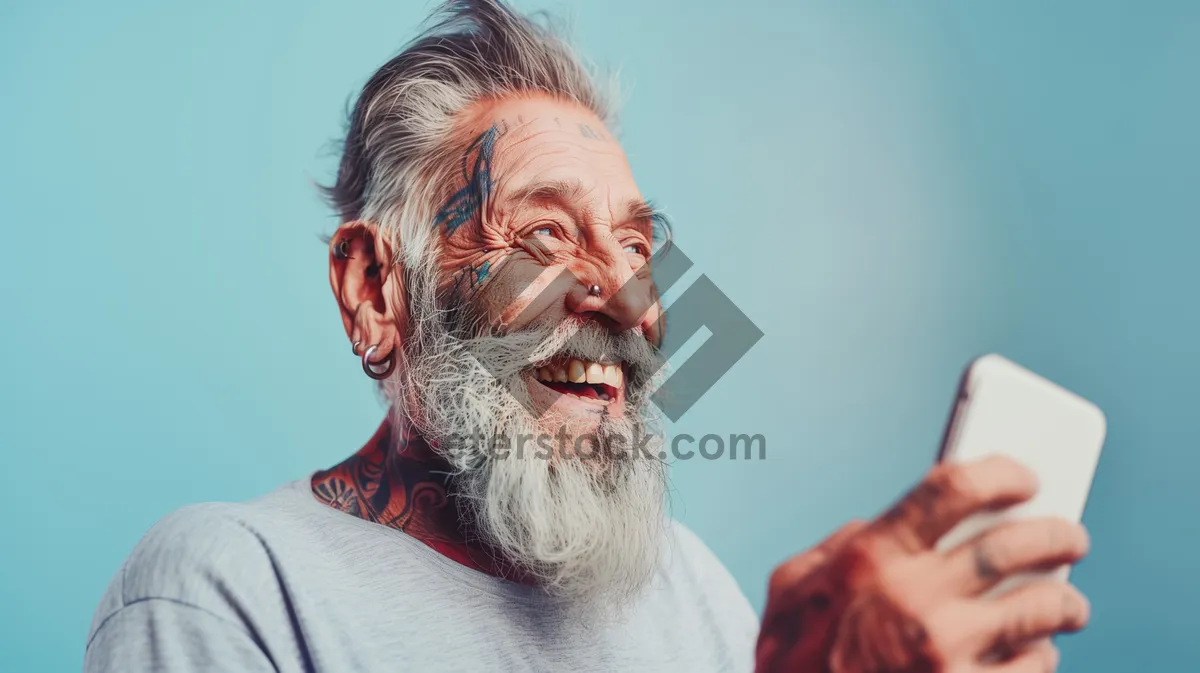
[(397, 480)]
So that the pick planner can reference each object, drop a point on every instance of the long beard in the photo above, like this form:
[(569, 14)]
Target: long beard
[(589, 531)]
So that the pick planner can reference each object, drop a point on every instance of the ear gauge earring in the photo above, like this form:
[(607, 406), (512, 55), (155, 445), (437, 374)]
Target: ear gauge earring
[(388, 363), (342, 249)]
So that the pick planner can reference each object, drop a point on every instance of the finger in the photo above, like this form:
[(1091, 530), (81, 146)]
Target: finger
[(831, 544), (950, 493), (800, 566), (1033, 612), (1040, 658), (1017, 546)]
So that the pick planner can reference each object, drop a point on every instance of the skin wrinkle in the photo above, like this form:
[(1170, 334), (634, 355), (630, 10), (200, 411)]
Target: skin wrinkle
[(495, 231), (502, 233)]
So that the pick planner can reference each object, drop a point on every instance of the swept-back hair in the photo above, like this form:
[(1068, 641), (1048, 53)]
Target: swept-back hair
[(397, 159)]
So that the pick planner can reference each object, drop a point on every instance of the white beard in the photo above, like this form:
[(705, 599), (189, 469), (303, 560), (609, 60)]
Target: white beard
[(590, 531)]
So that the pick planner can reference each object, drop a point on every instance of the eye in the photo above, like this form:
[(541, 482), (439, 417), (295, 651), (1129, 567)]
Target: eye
[(635, 244), (544, 228), (548, 234)]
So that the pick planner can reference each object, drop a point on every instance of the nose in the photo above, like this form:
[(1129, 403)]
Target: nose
[(609, 290)]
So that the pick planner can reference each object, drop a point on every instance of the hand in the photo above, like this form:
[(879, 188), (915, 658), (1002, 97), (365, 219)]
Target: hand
[(877, 597)]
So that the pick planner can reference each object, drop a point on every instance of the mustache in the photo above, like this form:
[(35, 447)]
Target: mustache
[(543, 338), (510, 352)]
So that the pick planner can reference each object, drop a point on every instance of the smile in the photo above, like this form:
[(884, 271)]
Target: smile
[(595, 381)]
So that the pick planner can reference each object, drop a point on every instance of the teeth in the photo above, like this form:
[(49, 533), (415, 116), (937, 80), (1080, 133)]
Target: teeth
[(612, 375), (576, 372), (595, 373)]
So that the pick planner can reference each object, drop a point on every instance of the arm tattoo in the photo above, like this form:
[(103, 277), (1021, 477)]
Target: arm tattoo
[(918, 511), (822, 624), (877, 637)]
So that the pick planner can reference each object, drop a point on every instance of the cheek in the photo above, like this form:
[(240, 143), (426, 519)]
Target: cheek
[(466, 272), (456, 258), (524, 292)]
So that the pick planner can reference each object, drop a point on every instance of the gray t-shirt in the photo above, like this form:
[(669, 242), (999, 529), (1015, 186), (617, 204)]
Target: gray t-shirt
[(285, 583)]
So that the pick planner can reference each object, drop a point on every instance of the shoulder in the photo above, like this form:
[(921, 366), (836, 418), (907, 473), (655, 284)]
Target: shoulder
[(689, 555), (189, 544), (690, 552), (717, 604), (201, 555)]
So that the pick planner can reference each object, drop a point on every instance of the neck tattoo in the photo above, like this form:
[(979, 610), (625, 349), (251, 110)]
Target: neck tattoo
[(397, 480)]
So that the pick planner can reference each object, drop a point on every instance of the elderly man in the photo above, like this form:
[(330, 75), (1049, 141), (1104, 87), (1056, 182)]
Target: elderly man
[(492, 272)]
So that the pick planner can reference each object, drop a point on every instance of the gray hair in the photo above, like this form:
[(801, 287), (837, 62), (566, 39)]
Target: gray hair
[(396, 161), (588, 532)]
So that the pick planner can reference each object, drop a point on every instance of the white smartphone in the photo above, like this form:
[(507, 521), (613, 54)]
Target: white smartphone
[(1005, 409)]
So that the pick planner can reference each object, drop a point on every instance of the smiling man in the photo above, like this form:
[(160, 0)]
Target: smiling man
[(493, 274)]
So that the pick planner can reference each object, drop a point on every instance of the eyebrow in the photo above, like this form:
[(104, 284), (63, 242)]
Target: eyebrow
[(566, 194), (642, 211)]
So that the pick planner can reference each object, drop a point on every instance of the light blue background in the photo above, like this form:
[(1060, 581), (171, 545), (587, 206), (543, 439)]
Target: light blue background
[(886, 189)]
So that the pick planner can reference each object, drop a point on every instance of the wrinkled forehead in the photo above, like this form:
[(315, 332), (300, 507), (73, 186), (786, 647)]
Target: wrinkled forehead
[(527, 142)]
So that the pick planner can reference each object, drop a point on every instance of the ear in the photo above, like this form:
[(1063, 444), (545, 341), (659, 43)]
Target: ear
[(369, 287)]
